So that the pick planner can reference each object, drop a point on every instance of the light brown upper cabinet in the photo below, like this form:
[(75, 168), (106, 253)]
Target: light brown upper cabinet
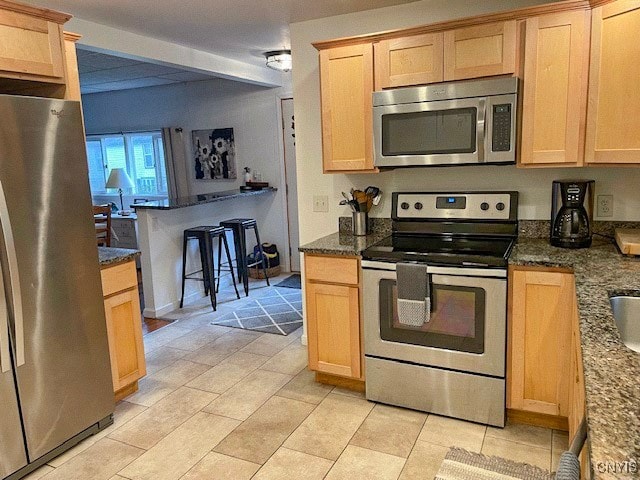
[(346, 88), (555, 82), (411, 60), (613, 120), (31, 45), (480, 51)]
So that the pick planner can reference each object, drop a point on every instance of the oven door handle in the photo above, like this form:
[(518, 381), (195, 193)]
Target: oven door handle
[(455, 271), (481, 131)]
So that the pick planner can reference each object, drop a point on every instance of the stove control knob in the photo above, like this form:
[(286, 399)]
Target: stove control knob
[(418, 206), (404, 206), (500, 206), (484, 206)]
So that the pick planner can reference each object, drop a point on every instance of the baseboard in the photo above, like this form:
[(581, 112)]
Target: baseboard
[(343, 382), (126, 391), (170, 307), (538, 419)]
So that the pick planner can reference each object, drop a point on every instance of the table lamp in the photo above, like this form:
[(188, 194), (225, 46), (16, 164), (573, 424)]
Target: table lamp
[(118, 178)]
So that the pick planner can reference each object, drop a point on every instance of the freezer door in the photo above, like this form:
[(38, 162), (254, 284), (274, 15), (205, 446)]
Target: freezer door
[(49, 254), (12, 450)]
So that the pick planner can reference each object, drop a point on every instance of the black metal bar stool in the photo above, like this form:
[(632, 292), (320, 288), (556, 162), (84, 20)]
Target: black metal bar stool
[(239, 226), (206, 236)]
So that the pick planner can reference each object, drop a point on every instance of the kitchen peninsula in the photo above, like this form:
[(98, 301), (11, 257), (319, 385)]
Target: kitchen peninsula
[(161, 225)]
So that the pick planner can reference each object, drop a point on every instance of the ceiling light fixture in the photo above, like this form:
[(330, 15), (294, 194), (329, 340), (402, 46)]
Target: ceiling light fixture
[(279, 60)]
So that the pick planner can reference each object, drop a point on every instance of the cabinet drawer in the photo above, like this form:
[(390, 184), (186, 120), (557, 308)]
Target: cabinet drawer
[(332, 269), (119, 277)]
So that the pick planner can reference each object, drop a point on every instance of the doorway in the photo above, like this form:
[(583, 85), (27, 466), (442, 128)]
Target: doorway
[(291, 188)]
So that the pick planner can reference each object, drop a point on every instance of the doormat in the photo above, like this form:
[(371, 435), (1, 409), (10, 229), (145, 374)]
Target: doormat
[(292, 281), (278, 310), (462, 465)]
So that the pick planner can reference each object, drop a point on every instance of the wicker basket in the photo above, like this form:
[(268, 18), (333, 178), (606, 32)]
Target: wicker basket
[(258, 274)]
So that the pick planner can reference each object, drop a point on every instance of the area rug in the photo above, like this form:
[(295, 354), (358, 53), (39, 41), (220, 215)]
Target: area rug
[(459, 464), (292, 281), (278, 310)]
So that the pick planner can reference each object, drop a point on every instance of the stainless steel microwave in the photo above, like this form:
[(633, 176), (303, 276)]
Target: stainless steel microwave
[(459, 123)]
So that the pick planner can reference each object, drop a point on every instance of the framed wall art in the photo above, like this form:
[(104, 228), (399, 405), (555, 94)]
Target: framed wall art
[(214, 154)]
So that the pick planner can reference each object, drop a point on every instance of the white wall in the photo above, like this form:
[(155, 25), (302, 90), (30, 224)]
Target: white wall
[(249, 109), (534, 184)]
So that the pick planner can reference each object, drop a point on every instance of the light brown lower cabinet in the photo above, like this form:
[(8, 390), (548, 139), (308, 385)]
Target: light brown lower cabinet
[(124, 327), (332, 295), (545, 381), (540, 337)]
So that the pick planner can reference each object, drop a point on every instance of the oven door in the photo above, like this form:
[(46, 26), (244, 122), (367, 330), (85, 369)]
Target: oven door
[(467, 330)]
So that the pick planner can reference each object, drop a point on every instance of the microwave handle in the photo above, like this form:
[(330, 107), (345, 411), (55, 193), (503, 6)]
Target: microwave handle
[(481, 131)]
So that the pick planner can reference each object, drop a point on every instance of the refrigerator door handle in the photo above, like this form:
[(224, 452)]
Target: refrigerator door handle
[(16, 293)]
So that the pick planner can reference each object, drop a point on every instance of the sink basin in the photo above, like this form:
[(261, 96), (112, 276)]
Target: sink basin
[(626, 311)]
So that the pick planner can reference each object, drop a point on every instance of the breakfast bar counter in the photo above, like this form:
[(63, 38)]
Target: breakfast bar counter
[(192, 200), (161, 226)]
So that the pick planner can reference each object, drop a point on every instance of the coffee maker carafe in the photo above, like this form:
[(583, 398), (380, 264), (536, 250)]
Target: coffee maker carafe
[(571, 213)]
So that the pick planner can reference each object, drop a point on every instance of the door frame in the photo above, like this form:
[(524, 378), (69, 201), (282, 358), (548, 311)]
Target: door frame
[(283, 177)]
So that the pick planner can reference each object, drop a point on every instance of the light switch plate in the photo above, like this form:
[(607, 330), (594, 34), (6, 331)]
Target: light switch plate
[(605, 206), (320, 203)]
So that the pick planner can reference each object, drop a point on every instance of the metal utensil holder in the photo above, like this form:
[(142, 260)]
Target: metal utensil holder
[(360, 223)]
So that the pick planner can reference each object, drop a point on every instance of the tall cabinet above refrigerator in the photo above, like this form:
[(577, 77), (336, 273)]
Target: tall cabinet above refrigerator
[(55, 377)]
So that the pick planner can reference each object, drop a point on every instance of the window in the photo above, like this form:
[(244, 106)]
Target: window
[(141, 154)]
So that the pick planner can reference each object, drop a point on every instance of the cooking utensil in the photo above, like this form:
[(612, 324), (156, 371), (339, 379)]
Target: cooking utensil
[(372, 191)]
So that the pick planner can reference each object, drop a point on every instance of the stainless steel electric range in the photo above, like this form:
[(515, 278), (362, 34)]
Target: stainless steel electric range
[(451, 361)]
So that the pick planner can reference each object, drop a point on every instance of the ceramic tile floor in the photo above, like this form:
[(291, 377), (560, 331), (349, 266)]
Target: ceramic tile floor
[(223, 403)]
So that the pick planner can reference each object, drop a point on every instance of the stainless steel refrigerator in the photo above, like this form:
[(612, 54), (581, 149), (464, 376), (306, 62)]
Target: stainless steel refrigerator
[(55, 377)]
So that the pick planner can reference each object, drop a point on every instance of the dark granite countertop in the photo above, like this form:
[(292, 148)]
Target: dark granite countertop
[(611, 370), (342, 243), (110, 256), (190, 201)]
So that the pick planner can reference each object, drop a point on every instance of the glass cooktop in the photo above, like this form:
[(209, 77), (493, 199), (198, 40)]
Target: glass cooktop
[(442, 250)]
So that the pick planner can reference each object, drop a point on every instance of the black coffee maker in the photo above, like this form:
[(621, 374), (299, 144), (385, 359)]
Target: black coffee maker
[(571, 213)]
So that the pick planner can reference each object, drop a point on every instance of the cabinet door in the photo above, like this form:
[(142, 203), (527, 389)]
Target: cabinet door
[(346, 84), (30, 48), (334, 329), (124, 329), (409, 61), (555, 89), (540, 337), (480, 51), (613, 122)]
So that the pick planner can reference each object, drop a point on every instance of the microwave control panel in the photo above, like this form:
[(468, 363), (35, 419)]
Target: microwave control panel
[(501, 141)]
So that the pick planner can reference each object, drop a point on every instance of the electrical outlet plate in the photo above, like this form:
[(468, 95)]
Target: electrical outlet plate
[(605, 206), (320, 203)]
